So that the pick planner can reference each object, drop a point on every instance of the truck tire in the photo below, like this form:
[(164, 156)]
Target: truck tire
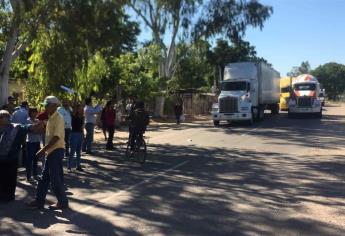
[(261, 113), (275, 109), (250, 122), (319, 115), (255, 113), (216, 123)]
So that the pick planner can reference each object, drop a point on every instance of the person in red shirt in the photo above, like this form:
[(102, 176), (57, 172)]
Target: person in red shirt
[(109, 116)]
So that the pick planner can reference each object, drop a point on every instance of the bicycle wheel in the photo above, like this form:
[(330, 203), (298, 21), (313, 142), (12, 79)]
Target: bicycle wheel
[(128, 151), (141, 151)]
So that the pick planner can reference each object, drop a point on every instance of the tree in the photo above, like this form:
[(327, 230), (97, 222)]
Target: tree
[(194, 69), (229, 18), (77, 49), (158, 16), (136, 73), (332, 77), (304, 68), (19, 22)]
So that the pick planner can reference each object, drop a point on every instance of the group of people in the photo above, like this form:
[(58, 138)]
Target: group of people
[(60, 131), (23, 125)]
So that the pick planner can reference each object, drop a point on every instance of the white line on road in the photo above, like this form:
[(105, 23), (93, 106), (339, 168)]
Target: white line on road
[(108, 199)]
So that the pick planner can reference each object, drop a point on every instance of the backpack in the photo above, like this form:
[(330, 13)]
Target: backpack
[(141, 120)]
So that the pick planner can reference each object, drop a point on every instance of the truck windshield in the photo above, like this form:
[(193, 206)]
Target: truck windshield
[(235, 86), (303, 87)]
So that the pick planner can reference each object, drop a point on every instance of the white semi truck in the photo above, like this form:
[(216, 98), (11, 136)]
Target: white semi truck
[(248, 89), (305, 97)]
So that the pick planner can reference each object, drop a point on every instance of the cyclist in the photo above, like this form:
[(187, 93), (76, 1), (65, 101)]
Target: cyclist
[(139, 120)]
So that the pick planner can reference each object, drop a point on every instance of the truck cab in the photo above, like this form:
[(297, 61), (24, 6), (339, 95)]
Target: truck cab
[(305, 97), (234, 101)]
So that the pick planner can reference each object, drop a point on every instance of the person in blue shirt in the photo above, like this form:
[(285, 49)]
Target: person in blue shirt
[(21, 115), (11, 138)]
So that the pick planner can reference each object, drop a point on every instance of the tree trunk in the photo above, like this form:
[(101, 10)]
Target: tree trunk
[(159, 107), (3, 88)]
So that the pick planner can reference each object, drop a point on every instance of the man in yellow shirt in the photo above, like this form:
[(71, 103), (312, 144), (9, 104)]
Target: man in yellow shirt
[(54, 150)]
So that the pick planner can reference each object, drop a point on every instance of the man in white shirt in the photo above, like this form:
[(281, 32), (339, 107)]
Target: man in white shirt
[(66, 112), (90, 120)]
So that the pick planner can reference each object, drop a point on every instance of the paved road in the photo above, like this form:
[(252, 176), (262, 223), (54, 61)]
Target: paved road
[(279, 177)]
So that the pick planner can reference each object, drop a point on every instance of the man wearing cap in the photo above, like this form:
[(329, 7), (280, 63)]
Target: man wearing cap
[(54, 150)]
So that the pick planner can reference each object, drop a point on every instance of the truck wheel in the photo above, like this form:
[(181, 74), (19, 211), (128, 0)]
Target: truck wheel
[(261, 113), (216, 123), (319, 115), (275, 110), (250, 122), (255, 113)]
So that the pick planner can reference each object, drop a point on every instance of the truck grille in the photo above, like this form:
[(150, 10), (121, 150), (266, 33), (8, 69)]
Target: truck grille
[(228, 105), (305, 102)]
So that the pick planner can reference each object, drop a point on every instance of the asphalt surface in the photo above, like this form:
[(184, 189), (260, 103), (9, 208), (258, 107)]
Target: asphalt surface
[(279, 177)]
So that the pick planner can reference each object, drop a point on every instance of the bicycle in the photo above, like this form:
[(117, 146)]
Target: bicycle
[(139, 151)]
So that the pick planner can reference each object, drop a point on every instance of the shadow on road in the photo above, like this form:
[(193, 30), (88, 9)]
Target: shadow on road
[(217, 192)]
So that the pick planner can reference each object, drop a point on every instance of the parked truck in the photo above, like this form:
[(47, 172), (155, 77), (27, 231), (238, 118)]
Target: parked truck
[(305, 97), (248, 88)]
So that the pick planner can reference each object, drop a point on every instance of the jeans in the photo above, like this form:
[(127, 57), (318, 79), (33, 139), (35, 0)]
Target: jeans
[(8, 179), (67, 141), (111, 131), (52, 173), (31, 160), (76, 144), (87, 145)]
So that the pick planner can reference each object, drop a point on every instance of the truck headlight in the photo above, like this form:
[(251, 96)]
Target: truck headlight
[(245, 98)]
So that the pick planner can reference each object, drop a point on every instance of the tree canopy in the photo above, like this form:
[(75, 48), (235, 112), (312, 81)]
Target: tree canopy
[(332, 77), (92, 46)]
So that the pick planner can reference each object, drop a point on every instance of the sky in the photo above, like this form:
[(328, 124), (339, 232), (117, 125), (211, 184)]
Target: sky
[(301, 30), (298, 30)]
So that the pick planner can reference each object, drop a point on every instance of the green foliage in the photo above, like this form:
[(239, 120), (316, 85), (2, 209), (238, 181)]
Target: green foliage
[(89, 77), (194, 69), (332, 77), (230, 18), (138, 73), (76, 50), (90, 46)]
